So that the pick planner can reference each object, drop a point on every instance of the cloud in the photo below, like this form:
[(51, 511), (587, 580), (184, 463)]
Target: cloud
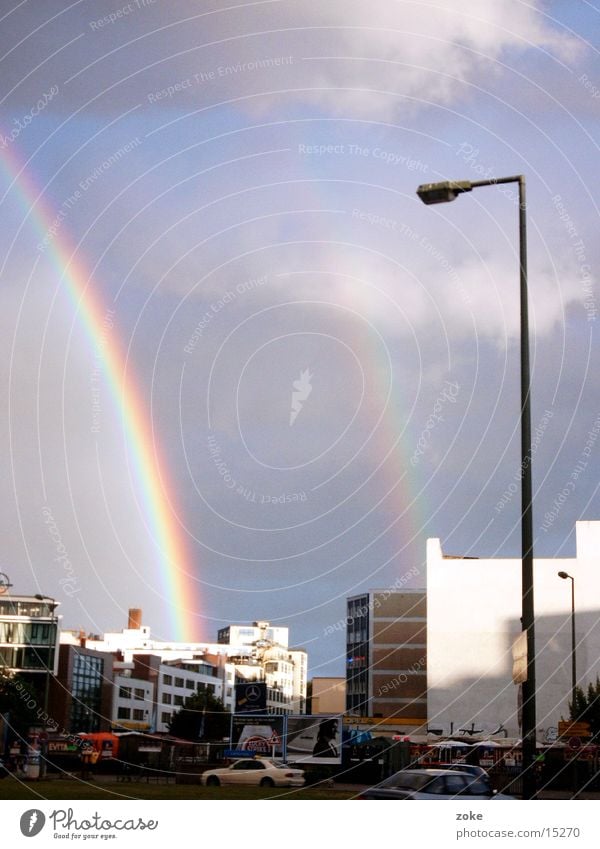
[(382, 58)]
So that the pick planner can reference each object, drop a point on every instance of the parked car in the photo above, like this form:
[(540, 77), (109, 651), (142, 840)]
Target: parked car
[(260, 772), (433, 784)]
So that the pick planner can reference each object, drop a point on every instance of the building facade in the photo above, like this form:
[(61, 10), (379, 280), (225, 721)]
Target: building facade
[(81, 694), (176, 670), (328, 695), (386, 671), (474, 610), (29, 634)]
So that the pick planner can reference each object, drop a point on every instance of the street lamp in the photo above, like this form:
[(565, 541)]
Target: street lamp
[(431, 193), (564, 576)]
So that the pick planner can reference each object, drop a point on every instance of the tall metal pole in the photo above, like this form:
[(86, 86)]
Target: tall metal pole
[(573, 643), (441, 193), (528, 617)]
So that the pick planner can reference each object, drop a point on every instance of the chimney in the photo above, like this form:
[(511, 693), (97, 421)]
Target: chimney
[(135, 618)]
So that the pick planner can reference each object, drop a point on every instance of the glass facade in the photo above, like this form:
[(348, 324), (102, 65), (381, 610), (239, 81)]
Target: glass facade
[(27, 645), (357, 656), (33, 608), (86, 692)]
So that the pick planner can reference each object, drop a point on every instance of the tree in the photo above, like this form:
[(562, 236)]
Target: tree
[(587, 706), (202, 717), (19, 701)]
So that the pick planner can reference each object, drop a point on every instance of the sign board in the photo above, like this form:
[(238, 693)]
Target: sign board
[(314, 739), (574, 729), (581, 753), (251, 697), (519, 653), (349, 719), (258, 735)]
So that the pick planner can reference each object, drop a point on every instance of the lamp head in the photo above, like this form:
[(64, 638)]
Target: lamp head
[(442, 192), (563, 575)]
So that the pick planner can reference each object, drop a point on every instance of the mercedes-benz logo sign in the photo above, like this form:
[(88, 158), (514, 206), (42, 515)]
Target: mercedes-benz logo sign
[(253, 693), (5, 583)]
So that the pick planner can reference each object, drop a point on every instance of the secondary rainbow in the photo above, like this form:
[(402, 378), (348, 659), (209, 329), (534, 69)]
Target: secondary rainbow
[(155, 490)]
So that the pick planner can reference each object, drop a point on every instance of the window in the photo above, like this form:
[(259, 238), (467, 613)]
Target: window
[(189, 684), (168, 680), (179, 682), (139, 693), (178, 700), (166, 698), (165, 717), (124, 692), (123, 713), (455, 784), (479, 786), (138, 715)]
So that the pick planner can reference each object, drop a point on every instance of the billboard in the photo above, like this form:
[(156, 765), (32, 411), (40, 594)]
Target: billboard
[(261, 735), (251, 697), (314, 739)]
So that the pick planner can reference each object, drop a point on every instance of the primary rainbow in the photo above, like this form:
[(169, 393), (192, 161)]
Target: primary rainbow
[(156, 493)]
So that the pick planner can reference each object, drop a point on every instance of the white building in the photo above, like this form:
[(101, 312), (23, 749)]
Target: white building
[(133, 700), (255, 652), (284, 670), (473, 618)]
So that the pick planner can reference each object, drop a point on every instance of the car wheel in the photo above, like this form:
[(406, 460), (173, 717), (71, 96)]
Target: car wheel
[(267, 782), (213, 781)]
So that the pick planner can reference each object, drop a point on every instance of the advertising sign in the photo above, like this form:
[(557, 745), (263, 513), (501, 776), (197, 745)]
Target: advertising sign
[(251, 697), (314, 739), (260, 735)]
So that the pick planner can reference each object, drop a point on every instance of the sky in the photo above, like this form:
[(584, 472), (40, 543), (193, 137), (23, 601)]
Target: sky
[(245, 372)]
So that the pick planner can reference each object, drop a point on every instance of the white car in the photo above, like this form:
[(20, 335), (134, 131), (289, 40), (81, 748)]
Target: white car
[(260, 772)]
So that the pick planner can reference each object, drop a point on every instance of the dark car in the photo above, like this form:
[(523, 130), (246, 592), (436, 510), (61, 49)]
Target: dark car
[(432, 784), (471, 769)]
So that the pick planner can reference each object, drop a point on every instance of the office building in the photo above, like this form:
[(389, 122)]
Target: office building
[(386, 671)]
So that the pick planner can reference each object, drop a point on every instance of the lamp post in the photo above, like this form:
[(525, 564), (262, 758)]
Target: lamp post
[(564, 576), (431, 193)]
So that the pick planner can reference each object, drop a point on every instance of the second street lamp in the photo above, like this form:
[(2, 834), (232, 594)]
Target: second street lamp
[(431, 193), (564, 576)]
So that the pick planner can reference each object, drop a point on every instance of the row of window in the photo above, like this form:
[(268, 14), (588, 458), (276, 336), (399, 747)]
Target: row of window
[(125, 693), (27, 633), (127, 713), (169, 698), (26, 658), (179, 682), (278, 696)]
